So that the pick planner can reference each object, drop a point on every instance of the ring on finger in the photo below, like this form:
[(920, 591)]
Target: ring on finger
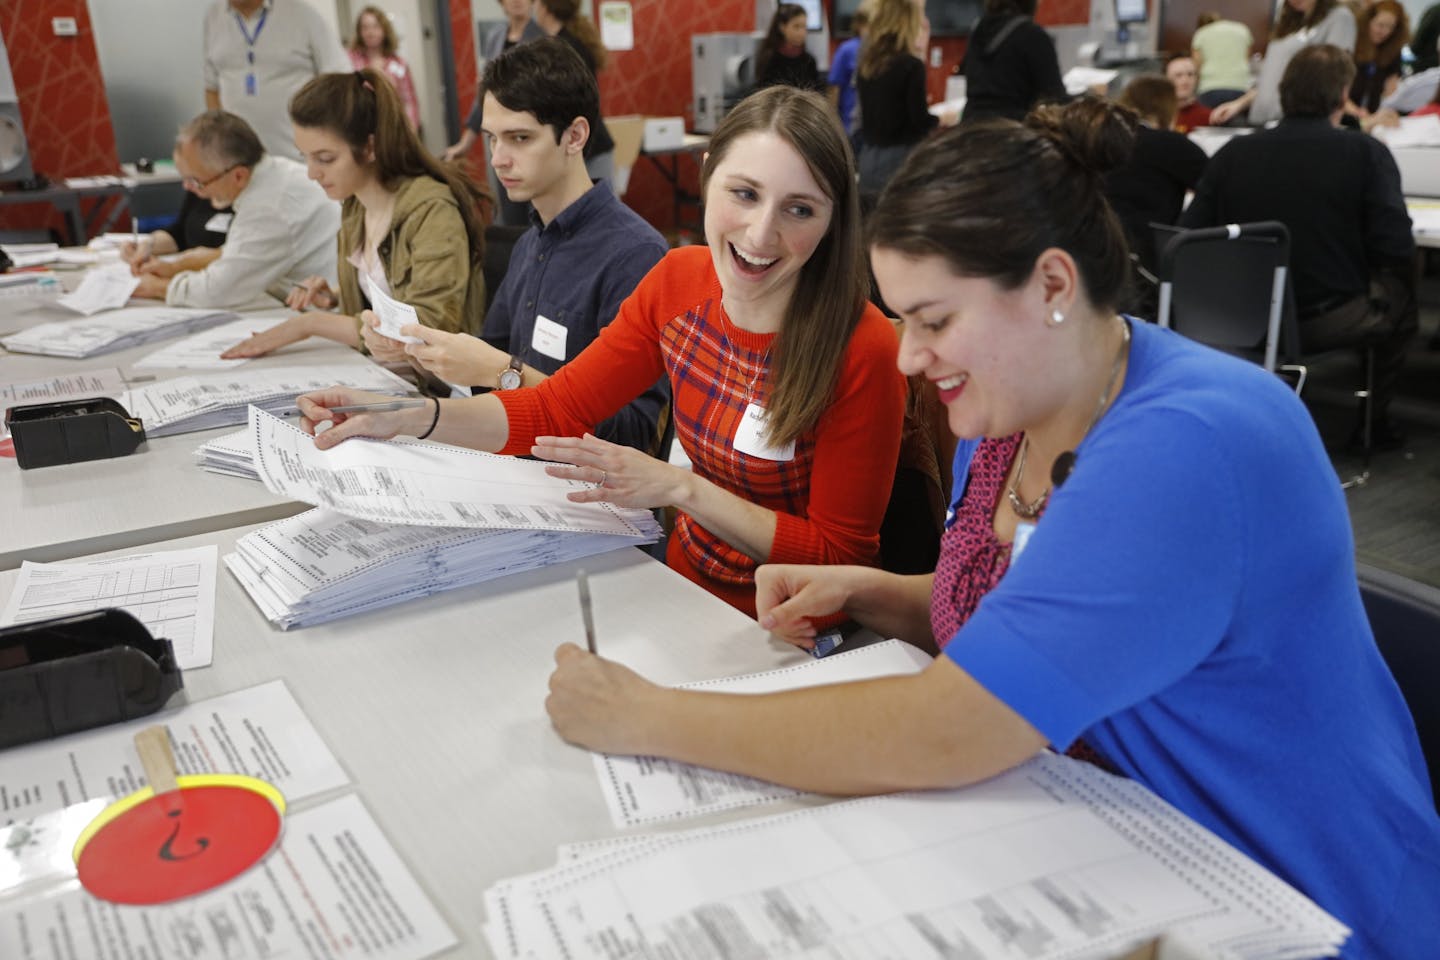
[(603, 477)]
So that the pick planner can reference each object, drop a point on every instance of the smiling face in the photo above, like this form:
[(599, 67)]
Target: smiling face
[(330, 162), (793, 30), (1181, 73), (985, 348), (764, 216)]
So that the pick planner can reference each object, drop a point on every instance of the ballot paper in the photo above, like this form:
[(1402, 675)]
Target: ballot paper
[(112, 330), (106, 382), (423, 484), (31, 254), (172, 592), (229, 455), (260, 732), (1054, 859), (640, 790), (321, 565), (104, 288), (1412, 132), (391, 312), (209, 400), (202, 351)]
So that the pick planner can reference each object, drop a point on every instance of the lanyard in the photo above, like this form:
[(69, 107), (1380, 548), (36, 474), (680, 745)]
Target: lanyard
[(249, 40)]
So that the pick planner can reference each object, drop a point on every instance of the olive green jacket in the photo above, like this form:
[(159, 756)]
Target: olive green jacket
[(426, 255)]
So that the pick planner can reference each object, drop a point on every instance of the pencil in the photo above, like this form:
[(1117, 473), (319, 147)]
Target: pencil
[(385, 407), (583, 582)]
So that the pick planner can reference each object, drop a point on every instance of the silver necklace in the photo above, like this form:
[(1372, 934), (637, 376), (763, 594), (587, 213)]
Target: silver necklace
[(1031, 510)]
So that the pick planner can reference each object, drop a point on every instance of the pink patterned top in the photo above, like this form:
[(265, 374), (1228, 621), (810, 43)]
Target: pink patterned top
[(972, 560)]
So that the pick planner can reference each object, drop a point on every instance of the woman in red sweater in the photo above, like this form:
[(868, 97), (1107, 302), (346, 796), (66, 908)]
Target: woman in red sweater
[(787, 398)]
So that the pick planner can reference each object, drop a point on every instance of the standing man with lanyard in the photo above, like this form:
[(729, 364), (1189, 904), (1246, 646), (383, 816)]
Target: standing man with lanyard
[(257, 54)]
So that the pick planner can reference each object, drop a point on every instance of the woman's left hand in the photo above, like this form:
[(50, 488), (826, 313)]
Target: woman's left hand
[(381, 347), (622, 475), (600, 705)]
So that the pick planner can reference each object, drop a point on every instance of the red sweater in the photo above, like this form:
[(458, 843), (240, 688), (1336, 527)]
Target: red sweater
[(828, 500)]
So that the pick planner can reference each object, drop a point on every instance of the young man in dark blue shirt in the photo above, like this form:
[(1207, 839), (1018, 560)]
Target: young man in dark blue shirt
[(582, 256)]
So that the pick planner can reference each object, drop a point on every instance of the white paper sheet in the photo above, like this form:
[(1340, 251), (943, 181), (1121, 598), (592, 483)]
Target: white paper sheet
[(424, 484), (113, 330), (202, 350), (335, 887), (1053, 859), (641, 790), (172, 592), (391, 313), (1412, 132), (104, 288), (105, 382), (260, 732)]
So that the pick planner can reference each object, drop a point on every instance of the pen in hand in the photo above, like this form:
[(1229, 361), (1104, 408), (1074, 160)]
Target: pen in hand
[(583, 582), (384, 407)]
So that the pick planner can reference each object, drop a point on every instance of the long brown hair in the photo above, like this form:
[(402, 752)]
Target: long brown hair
[(990, 197), (569, 15), (1290, 20), (388, 45), (1389, 51), (894, 26), (1152, 96), (830, 289), (775, 36), (361, 105)]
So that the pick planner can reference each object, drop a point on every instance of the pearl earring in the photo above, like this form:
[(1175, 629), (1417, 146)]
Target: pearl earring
[(1056, 318)]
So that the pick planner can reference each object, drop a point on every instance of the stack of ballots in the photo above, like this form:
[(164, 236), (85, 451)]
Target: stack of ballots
[(323, 565), (112, 330), (401, 519), (209, 400)]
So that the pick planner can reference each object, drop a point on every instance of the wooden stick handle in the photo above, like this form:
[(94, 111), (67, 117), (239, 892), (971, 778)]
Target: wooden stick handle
[(153, 743)]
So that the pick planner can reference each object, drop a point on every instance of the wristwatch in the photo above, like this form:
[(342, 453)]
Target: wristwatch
[(511, 376)]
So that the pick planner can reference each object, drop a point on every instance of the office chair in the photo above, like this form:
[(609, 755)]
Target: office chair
[(1405, 618), (499, 244), (1229, 287)]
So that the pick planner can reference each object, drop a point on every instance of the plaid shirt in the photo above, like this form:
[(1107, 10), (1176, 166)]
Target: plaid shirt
[(828, 499)]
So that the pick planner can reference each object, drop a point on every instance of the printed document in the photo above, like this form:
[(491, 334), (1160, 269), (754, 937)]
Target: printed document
[(111, 330), (334, 887), (424, 484), (172, 592), (640, 790), (104, 288), (202, 350), (391, 312), (71, 386)]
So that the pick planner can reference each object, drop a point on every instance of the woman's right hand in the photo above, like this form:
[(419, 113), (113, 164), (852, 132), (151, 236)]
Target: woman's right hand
[(1226, 112), (787, 596), (382, 348), (317, 408), (312, 292)]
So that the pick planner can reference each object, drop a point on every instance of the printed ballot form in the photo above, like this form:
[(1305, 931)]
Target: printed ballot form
[(640, 790), (82, 385), (201, 351), (422, 483), (172, 592)]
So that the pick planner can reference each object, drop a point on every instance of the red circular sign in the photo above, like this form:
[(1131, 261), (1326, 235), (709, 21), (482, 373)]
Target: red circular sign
[(178, 844)]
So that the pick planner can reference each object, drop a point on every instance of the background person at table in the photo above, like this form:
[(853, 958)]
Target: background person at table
[(1221, 50), (1189, 111), (1197, 639), (408, 225), (1298, 24), (1382, 31), (890, 84), (1010, 63), (375, 46), (564, 19), (840, 84), (198, 229), (1351, 246), (569, 272), (282, 230), (257, 54), (786, 397), (781, 56), (520, 27)]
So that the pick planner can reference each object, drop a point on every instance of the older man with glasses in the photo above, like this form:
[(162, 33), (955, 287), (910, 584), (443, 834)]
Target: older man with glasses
[(282, 230)]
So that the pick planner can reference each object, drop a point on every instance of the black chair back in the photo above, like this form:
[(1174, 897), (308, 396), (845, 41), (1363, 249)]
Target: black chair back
[(1405, 617), (499, 244), (1228, 287)]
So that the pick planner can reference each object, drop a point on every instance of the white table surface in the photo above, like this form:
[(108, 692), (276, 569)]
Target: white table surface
[(158, 492), (436, 707)]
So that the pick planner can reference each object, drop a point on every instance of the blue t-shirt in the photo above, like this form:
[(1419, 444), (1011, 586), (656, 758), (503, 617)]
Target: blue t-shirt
[(1188, 604), (842, 77)]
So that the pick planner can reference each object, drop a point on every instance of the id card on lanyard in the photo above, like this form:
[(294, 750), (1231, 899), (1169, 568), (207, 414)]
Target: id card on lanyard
[(250, 86)]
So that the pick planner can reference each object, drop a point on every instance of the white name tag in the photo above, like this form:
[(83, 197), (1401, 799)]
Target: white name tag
[(549, 338), (1023, 532), (750, 436), (220, 223)]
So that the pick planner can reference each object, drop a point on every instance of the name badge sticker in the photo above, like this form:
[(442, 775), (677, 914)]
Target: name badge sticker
[(750, 436), (1023, 531), (549, 337), (220, 223)]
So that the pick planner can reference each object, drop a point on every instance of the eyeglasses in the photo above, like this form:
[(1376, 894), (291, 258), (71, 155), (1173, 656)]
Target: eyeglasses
[(190, 183)]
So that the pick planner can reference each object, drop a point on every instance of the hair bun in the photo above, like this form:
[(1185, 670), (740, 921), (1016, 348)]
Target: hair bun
[(1097, 135)]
